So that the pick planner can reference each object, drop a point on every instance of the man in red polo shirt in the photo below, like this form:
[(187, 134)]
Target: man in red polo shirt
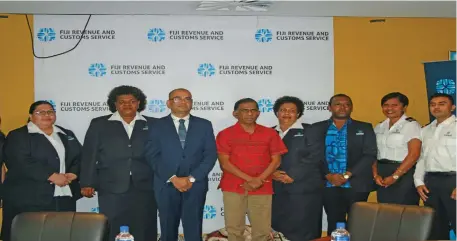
[(248, 154)]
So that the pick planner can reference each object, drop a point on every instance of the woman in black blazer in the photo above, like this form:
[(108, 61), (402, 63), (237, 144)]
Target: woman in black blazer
[(43, 162)]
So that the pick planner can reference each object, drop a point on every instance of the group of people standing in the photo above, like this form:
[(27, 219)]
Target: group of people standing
[(282, 177)]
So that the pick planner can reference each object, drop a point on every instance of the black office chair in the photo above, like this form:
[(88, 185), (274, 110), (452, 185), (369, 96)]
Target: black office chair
[(381, 222), (59, 226)]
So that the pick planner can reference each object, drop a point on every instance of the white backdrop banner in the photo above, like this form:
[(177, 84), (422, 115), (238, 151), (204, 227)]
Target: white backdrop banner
[(219, 59)]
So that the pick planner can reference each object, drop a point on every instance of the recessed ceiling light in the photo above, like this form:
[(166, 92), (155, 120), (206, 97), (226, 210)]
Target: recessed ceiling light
[(238, 5)]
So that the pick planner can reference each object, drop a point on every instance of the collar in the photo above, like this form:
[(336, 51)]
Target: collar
[(449, 120), (176, 119), (32, 128), (116, 117), (239, 128), (402, 118), (296, 125), (349, 121)]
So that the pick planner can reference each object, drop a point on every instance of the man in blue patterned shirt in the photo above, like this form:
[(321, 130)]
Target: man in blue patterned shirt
[(348, 149)]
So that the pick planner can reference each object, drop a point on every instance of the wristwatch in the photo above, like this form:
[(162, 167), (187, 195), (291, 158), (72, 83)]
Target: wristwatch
[(346, 176), (191, 179)]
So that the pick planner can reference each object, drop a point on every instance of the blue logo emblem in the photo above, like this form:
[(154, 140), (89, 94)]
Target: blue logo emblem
[(157, 106), (263, 35), (446, 86), (156, 34), (52, 103), (209, 212), (265, 105), (95, 210), (46, 34), (97, 70), (206, 70)]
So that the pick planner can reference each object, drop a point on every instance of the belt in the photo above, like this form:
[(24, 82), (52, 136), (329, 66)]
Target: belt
[(386, 161), (441, 174)]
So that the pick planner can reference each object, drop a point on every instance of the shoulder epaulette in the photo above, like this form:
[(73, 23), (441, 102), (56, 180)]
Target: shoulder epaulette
[(410, 119), (427, 124)]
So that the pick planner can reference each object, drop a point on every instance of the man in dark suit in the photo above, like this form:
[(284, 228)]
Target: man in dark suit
[(348, 149), (114, 165), (298, 183), (182, 151)]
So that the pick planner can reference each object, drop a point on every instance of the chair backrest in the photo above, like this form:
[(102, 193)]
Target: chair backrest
[(59, 226), (381, 222)]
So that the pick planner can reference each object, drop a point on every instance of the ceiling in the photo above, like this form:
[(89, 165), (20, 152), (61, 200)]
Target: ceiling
[(277, 8)]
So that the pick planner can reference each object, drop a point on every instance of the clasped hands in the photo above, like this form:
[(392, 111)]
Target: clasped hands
[(62, 179), (384, 182), (336, 179), (281, 176), (183, 184), (252, 184)]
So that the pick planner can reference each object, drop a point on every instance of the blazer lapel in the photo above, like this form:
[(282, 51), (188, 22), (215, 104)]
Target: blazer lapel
[(350, 138), (118, 128), (64, 139), (138, 128)]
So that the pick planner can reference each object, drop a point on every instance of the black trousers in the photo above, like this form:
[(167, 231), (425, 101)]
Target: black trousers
[(402, 191), (10, 210), (439, 198), (298, 216), (134, 208), (337, 204)]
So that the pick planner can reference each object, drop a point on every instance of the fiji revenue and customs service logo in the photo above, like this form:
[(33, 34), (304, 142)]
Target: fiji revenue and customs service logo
[(263, 35), (157, 106), (156, 35), (209, 212), (46, 34), (97, 70), (265, 105), (446, 86), (206, 70)]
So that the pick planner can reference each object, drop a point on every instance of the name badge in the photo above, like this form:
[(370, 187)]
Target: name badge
[(359, 133), (70, 138)]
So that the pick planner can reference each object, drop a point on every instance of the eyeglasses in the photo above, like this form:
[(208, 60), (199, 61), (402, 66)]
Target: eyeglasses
[(245, 111), (45, 112), (291, 111), (178, 99)]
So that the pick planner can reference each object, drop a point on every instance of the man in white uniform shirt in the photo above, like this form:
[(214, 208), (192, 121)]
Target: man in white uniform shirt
[(435, 175)]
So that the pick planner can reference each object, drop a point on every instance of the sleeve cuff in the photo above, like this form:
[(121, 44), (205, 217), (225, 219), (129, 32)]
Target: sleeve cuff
[(418, 182), (169, 179)]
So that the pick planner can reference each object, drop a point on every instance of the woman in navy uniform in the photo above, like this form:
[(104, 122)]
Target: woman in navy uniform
[(43, 162), (113, 163), (298, 183), (399, 147)]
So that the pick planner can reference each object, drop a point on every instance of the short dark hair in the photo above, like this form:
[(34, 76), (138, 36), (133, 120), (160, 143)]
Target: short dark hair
[(339, 95), (436, 95), (245, 100), (401, 97), (178, 89), (289, 99), (126, 90), (35, 104)]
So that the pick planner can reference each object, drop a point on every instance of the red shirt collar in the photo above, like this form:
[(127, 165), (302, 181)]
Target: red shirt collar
[(239, 128)]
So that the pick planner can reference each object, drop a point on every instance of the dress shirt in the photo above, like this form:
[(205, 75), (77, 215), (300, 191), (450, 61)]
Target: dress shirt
[(438, 149), (393, 142), (56, 142)]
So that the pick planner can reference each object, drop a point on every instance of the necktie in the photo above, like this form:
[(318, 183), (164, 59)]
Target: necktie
[(182, 133)]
